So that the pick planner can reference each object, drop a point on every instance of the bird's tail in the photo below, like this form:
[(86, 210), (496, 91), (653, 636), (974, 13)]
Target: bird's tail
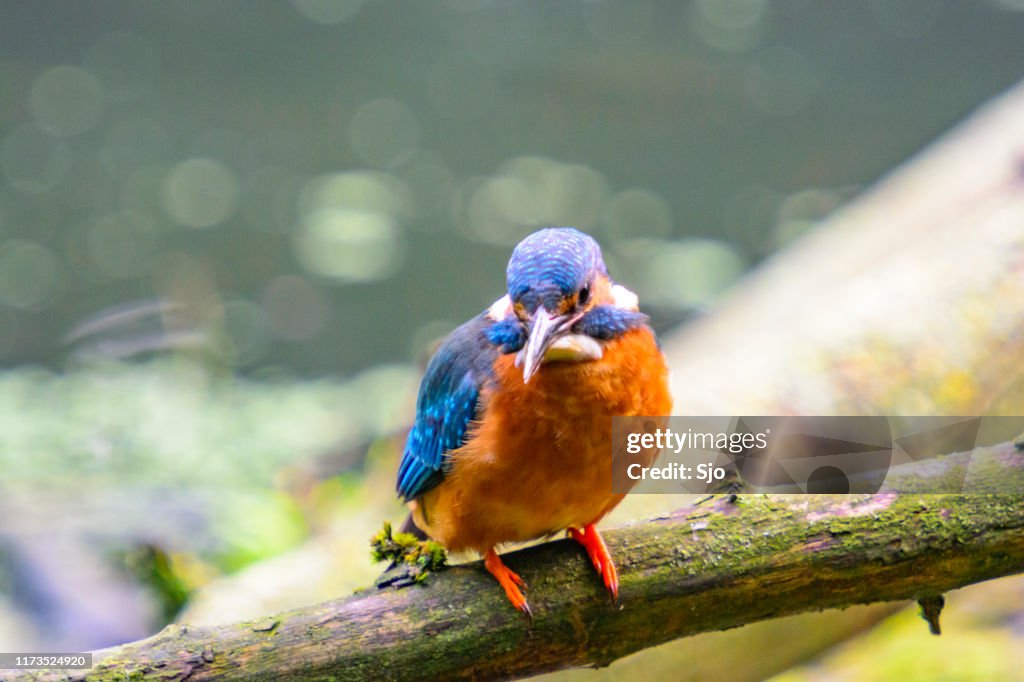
[(409, 526)]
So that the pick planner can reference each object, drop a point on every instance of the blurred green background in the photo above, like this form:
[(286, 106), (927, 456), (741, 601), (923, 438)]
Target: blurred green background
[(316, 186), (230, 232)]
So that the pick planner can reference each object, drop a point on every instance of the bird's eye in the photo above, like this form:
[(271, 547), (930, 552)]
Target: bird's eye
[(584, 295)]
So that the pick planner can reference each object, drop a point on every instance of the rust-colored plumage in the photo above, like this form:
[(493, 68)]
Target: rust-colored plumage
[(541, 460)]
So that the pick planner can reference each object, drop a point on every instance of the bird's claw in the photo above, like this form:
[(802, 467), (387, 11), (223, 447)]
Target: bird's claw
[(599, 556), (509, 580)]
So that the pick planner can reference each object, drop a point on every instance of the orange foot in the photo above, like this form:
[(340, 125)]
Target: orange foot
[(599, 556), (509, 580)]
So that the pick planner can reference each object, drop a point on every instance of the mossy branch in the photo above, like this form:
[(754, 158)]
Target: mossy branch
[(721, 563)]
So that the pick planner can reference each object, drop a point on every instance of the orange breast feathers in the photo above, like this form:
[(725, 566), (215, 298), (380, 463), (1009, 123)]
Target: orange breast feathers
[(539, 459)]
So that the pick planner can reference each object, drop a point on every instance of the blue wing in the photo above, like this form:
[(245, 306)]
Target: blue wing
[(448, 402)]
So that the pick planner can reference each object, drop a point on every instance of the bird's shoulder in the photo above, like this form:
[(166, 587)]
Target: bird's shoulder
[(447, 403)]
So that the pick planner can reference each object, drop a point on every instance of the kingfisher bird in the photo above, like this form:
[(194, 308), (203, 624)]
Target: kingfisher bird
[(512, 436)]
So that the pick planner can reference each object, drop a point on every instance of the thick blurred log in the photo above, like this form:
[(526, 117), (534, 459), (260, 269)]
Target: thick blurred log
[(910, 300), (718, 564)]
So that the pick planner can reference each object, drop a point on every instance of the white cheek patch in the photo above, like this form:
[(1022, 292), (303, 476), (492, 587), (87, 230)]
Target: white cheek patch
[(500, 308), (624, 298), (574, 348)]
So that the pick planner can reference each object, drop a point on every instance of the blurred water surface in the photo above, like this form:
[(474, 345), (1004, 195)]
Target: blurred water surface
[(316, 186)]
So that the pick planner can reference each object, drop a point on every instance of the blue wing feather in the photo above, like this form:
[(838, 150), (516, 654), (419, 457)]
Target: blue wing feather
[(448, 402)]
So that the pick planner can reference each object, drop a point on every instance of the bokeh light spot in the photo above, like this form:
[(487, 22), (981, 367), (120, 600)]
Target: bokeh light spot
[(728, 25), (367, 190), (681, 273), (637, 213), (801, 211), (200, 192), (527, 192), (349, 244), (500, 210), (66, 100)]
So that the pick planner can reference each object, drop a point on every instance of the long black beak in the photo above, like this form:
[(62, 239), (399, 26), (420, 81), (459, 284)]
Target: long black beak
[(544, 330)]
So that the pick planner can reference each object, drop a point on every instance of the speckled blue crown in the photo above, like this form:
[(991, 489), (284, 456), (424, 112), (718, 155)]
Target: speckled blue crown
[(550, 264)]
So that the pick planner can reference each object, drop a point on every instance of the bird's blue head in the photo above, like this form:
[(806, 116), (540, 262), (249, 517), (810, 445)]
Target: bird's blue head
[(560, 301), (552, 266)]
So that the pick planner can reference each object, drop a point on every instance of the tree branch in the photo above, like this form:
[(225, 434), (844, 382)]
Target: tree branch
[(719, 564)]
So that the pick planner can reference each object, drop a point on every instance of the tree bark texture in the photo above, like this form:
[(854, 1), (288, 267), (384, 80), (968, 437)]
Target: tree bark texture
[(722, 563)]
